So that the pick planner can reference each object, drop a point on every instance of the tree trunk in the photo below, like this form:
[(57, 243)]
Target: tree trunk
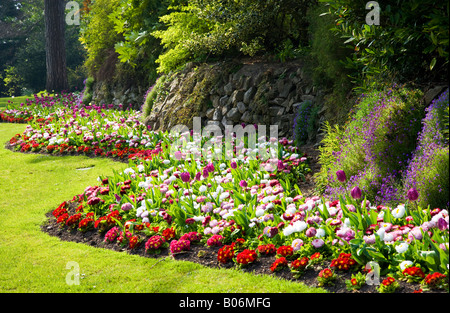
[(55, 45)]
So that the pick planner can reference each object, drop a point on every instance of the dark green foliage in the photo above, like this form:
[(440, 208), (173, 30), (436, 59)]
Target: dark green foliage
[(445, 122), (325, 67), (327, 52), (411, 42), (20, 25), (12, 81), (116, 35), (30, 62), (133, 22)]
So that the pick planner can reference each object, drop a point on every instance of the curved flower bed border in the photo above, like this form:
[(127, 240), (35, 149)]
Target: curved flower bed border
[(268, 260), (208, 256)]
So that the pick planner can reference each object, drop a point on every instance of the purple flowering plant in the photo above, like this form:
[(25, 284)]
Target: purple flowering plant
[(376, 145)]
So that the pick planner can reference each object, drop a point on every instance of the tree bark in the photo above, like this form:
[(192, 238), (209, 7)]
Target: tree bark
[(54, 11)]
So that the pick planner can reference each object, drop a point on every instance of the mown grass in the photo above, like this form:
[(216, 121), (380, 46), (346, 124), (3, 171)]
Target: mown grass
[(33, 261), (17, 100)]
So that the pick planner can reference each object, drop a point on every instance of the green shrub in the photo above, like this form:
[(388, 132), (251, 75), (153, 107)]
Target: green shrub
[(325, 64), (327, 52), (330, 143), (89, 83), (97, 33), (287, 51), (13, 81), (219, 28), (445, 122), (181, 27), (134, 21), (87, 98), (76, 77)]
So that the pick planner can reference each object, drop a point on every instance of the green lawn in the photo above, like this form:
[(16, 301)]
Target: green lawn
[(16, 100), (32, 261)]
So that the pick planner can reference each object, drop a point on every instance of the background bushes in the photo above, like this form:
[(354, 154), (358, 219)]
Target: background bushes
[(22, 46), (325, 64), (199, 30), (98, 35), (411, 42)]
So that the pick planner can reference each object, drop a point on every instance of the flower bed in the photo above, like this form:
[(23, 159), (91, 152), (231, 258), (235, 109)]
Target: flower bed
[(93, 130), (234, 211)]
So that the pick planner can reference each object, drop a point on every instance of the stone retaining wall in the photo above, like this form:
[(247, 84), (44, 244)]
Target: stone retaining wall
[(224, 94)]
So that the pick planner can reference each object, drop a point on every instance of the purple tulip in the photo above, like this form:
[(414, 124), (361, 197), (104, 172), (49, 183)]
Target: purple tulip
[(210, 167), (412, 194), (341, 176), (185, 177), (233, 165), (243, 183), (280, 165), (356, 193)]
